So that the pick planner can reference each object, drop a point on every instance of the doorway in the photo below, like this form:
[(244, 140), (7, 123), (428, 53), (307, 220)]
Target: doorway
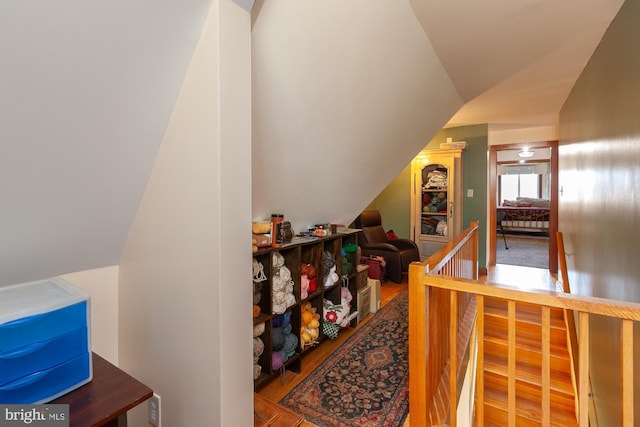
[(551, 189)]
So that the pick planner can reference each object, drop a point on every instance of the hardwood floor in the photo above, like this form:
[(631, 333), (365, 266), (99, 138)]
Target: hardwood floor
[(523, 277), (279, 387)]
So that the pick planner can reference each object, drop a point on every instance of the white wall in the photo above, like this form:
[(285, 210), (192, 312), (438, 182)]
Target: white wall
[(102, 286), (499, 135), (184, 288), (345, 94), (87, 91)]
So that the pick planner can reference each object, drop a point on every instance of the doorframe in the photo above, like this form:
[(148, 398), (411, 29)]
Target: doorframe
[(553, 198)]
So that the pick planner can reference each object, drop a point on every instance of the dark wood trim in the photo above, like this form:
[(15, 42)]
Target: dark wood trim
[(553, 198), (105, 400)]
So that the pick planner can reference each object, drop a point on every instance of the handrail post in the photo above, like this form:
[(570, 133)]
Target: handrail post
[(418, 344)]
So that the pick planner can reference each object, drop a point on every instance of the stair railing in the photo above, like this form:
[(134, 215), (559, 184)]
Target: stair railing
[(430, 315), (583, 306)]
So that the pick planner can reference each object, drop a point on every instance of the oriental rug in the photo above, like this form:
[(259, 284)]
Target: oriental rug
[(366, 381)]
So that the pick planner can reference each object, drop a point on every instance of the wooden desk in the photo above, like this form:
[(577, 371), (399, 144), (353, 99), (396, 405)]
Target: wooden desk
[(106, 399)]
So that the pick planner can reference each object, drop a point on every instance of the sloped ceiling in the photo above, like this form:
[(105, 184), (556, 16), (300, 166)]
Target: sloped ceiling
[(514, 62), (87, 89), (345, 93)]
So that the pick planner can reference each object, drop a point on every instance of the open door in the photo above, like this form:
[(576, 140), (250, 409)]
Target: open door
[(553, 197)]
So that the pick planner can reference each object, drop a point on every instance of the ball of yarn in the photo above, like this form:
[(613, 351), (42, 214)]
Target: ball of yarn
[(258, 347), (276, 361), (258, 329), (281, 320), (277, 338)]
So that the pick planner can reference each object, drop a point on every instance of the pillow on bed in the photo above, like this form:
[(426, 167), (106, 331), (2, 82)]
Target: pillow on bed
[(534, 202), (517, 203)]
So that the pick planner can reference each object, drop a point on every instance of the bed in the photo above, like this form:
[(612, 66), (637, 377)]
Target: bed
[(525, 215)]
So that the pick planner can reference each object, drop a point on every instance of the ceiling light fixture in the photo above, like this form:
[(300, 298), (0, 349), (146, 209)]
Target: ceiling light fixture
[(525, 153)]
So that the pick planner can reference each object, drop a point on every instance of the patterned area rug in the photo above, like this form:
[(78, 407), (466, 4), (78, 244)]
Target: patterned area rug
[(366, 381)]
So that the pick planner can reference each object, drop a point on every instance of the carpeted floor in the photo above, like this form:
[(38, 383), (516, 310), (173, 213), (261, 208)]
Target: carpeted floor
[(366, 381), (523, 251)]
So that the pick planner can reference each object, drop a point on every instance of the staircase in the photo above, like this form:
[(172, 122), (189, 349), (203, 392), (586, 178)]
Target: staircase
[(528, 371)]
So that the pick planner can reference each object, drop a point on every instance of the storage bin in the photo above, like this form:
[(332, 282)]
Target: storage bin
[(45, 346), (375, 294), (364, 301)]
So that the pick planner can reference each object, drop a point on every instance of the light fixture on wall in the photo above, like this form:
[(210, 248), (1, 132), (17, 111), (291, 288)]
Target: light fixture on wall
[(525, 153)]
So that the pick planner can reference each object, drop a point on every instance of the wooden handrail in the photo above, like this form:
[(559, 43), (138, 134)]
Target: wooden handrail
[(430, 315), (433, 339), (569, 319)]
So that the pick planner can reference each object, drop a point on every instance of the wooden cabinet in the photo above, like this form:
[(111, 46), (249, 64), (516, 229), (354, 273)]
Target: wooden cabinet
[(281, 316), (436, 200)]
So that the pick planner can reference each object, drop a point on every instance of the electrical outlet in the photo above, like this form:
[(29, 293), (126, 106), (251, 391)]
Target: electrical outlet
[(154, 410)]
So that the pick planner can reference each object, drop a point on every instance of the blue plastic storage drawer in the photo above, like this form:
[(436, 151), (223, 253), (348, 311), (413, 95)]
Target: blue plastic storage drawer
[(45, 341), (41, 355), (41, 327), (43, 386)]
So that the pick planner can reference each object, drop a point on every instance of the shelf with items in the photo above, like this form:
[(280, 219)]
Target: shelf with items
[(285, 291), (436, 202)]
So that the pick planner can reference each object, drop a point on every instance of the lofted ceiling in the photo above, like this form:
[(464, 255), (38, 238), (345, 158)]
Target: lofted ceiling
[(514, 62), (88, 89)]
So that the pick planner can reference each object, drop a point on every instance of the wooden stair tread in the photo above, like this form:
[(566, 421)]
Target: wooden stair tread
[(533, 357), (528, 343), (528, 391), (528, 354), (527, 409), (526, 316), (560, 381)]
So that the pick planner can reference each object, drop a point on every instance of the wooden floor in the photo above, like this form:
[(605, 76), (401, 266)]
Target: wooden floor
[(523, 277)]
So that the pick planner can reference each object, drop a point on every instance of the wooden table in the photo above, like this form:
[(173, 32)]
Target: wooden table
[(106, 399)]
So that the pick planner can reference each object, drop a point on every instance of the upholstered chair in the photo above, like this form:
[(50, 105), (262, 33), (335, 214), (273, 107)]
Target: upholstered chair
[(398, 253)]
